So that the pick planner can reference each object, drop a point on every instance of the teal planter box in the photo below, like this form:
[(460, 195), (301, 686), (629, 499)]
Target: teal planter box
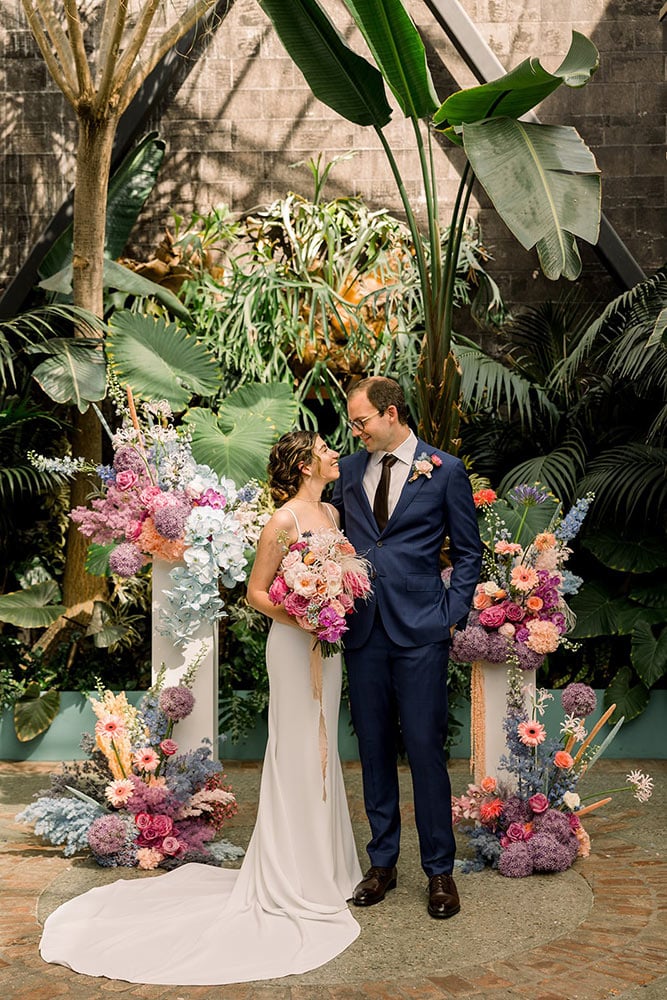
[(61, 739), (643, 738)]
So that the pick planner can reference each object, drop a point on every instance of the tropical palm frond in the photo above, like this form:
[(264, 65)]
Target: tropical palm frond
[(638, 307), (489, 384), (629, 479), (32, 329), (559, 470), (539, 339)]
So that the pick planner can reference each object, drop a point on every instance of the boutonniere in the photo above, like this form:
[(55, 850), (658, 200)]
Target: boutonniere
[(423, 465)]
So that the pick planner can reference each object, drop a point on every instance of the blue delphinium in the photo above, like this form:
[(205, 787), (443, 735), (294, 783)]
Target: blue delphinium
[(570, 525)]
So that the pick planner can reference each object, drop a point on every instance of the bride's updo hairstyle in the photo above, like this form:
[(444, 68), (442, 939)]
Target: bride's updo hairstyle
[(292, 451)]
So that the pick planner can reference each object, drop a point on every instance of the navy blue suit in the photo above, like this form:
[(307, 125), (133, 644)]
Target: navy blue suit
[(397, 647)]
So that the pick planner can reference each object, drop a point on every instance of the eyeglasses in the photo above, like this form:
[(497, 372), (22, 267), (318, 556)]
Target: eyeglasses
[(360, 423)]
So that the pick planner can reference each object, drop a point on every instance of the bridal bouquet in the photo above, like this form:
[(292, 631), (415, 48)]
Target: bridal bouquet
[(156, 501), (317, 583), (519, 612), (532, 822), (137, 801)]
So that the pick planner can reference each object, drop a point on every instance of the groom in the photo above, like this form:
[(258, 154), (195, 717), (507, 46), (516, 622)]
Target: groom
[(399, 499)]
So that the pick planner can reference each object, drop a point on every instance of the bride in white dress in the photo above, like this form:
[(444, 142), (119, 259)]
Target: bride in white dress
[(285, 910)]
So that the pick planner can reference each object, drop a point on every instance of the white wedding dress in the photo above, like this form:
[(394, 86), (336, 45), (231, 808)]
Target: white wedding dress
[(284, 911)]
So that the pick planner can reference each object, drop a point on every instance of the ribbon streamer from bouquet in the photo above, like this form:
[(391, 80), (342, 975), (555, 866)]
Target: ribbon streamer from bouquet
[(316, 686)]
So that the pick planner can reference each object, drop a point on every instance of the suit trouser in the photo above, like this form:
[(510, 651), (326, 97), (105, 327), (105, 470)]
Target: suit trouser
[(386, 679)]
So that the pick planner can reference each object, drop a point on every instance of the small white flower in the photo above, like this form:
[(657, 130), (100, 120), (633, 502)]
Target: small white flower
[(571, 800)]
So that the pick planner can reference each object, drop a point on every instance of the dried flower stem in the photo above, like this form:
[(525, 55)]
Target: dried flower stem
[(592, 806), (593, 733)]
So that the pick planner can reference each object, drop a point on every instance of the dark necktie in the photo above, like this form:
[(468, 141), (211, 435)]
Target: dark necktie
[(381, 499)]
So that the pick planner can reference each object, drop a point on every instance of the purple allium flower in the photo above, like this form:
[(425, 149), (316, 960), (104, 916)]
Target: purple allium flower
[(528, 658), (170, 521), (176, 702), (528, 495), (126, 559), (578, 700), (515, 810), (516, 861), (556, 824), (549, 854), (498, 648), (470, 644), (107, 834), (128, 457)]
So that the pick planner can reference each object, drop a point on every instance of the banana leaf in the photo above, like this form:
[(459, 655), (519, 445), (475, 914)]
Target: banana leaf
[(337, 76), (129, 187)]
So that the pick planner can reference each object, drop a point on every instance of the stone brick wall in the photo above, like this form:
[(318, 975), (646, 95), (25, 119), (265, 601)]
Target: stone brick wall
[(243, 115)]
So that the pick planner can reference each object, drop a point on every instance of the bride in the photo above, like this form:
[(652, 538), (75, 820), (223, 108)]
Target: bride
[(285, 910)]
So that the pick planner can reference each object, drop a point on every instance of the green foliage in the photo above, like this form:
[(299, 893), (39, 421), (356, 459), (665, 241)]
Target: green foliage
[(32, 607), (159, 360), (129, 187), (34, 712), (534, 174)]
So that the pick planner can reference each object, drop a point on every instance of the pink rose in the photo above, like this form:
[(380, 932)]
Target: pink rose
[(170, 845), (347, 602), (126, 479), (296, 605), (514, 613), (168, 747), (492, 617), (162, 825), (142, 820), (488, 784), (539, 803), (437, 461), (278, 590), (515, 832)]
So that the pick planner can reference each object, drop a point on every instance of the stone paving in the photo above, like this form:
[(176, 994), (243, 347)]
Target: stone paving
[(596, 931)]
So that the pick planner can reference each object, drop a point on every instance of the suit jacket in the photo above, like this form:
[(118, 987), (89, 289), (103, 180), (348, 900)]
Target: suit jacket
[(415, 606)]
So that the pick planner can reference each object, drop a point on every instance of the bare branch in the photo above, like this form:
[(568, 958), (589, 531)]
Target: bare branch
[(109, 49), (75, 32), (59, 41), (163, 45), (134, 45), (58, 72)]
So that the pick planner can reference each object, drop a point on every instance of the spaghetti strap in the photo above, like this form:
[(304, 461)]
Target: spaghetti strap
[(331, 517), (296, 520)]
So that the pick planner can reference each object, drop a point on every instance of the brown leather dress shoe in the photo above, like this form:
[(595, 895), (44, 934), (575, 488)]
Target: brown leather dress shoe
[(373, 886), (443, 899)]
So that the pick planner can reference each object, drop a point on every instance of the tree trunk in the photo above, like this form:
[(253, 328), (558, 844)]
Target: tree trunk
[(90, 195)]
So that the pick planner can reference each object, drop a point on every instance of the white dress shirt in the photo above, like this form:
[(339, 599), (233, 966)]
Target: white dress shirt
[(405, 454)]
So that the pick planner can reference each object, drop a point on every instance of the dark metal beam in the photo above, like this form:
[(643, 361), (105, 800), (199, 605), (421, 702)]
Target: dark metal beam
[(485, 66)]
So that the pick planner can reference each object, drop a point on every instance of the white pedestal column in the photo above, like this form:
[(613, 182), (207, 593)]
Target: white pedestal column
[(202, 723), (489, 707)]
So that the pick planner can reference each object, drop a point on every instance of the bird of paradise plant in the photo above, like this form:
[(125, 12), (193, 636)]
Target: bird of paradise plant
[(542, 179)]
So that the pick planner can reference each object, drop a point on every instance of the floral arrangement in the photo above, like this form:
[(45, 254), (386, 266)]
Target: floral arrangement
[(317, 583), (136, 801), (423, 465), (156, 501), (519, 611), (531, 821)]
